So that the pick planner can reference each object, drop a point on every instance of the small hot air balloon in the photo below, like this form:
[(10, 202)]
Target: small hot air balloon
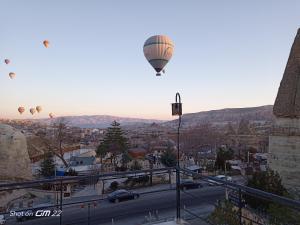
[(38, 108), (21, 109), (6, 61), (51, 115), (158, 50), (12, 75), (46, 43), (32, 110)]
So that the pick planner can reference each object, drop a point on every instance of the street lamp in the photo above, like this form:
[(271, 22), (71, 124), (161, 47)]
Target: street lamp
[(177, 111)]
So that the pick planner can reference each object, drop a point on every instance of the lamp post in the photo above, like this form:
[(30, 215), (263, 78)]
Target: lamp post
[(177, 111)]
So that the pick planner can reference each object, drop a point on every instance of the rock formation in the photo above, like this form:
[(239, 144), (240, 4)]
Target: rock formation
[(287, 103), (284, 142), (14, 158)]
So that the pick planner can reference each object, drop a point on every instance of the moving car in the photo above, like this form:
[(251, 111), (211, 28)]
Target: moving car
[(221, 177), (122, 195), (189, 184)]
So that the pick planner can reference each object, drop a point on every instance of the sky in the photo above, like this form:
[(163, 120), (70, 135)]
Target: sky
[(227, 54)]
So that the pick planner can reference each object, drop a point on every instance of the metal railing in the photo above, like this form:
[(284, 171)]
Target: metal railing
[(240, 191)]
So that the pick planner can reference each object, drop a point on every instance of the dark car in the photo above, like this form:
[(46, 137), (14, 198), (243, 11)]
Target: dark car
[(189, 184), (122, 195)]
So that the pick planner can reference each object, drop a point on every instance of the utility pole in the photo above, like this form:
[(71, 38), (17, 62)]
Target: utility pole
[(177, 110)]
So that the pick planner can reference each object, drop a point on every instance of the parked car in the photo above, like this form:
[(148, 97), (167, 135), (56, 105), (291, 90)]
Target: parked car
[(122, 195), (2, 220), (189, 184)]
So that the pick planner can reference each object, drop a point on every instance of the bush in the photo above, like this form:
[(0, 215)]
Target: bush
[(114, 185), (71, 172)]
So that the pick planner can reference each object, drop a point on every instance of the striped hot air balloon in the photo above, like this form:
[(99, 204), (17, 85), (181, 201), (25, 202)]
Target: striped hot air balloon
[(158, 50)]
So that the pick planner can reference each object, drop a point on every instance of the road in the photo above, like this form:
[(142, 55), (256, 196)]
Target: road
[(134, 211)]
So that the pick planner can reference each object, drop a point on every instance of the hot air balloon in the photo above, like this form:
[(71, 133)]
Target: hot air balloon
[(6, 61), (51, 115), (38, 108), (46, 43), (32, 110), (12, 75), (21, 109), (158, 51)]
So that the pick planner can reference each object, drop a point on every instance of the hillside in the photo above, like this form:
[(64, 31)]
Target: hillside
[(101, 121), (224, 116)]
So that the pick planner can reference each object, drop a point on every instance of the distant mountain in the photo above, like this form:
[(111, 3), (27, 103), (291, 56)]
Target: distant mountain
[(102, 121), (224, 116)]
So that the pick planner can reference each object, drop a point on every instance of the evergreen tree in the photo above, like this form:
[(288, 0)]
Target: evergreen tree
[(114, 141), (47, 166), (168, 158), (223, 155)]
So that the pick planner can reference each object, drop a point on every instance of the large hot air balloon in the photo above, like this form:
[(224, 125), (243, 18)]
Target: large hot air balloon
[(21, 109), (38, 108), (51, 115), (12, 75), (46, 43), (6, 61), (32, 110), (158, 51)]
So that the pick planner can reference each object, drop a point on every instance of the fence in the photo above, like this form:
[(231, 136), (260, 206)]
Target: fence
[(88, 200)]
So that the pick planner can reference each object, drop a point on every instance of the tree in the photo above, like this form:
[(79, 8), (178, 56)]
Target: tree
[(126, 158), (223, 154), (114, 141), (54, 144), (270, 181), (224, 213), (47, 166), (101, 152), (135, 166), (168, 158)]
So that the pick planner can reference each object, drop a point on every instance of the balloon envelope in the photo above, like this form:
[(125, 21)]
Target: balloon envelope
[(21, 109), (38, 108), (12, 75), (158, 50), (46, 43), (51, 115), (6, 61), (32, 110)]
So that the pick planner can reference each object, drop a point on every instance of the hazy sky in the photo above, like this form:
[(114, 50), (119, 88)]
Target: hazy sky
[(227, 54)]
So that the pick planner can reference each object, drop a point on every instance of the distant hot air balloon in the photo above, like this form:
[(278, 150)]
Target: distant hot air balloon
[(6, 61), (51, 115), (38, 108), (32, 110), (158, 50), (21, 109), (46, 43), (12, 75)]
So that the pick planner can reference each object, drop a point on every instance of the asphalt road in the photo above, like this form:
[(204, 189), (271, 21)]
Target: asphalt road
[(134, 210)]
